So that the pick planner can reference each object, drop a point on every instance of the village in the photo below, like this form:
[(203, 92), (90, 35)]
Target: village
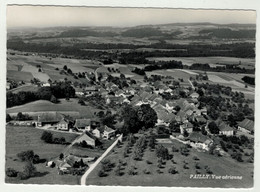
[(180, 115)]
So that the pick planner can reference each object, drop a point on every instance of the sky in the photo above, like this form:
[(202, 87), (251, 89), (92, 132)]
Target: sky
[(51, 16)]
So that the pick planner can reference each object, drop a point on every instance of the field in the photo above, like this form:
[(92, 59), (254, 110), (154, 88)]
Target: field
[(212, 61), (68, 107), (20, 67), (32, 88), (220, 166), (28, 138)]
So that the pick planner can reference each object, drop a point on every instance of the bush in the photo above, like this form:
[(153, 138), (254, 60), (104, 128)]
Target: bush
[(197, 166), (26, 155), (47, 137), (11, 172), (172, 170), (196, 158), (174, 149), (148, 162), (145, 171), (102, 173), (185, 166), (22, 176), (162, 152), (132, 171)]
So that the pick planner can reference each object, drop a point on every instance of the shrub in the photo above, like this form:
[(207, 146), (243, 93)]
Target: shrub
[(47, 137), (22, 176), (172, 170), (26, 155), (185, 166), (132, 171), (102, 173), (162, 152), (145, 171), (197, 166), (30, 169), (148, 162), (11, 172), (196, 158), (174, 149)]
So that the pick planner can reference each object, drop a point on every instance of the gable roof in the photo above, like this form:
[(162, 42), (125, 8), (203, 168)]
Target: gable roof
[(198, 137), (108, 129), (223, 126), (247, 124), (82, 122), (50, 117)]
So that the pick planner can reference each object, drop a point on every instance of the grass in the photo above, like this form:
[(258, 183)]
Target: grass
[(32, 88), (19, 76), (219, 165), (64, 106), (28, 138)]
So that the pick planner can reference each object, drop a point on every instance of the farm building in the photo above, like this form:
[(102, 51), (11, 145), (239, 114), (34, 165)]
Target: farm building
[(90, 90), (108, 132), (246, 126), (89, 139), (194, 95), (48, 119), (186, 127), (79, 91), (64, 124), (82, 124), (200, 141), (96, 133), (224, 129)]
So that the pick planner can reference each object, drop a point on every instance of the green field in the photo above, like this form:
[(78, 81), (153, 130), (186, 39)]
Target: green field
[(28, 138), (220, 166), (32, 88), (19, 76), (212, 61), (64, 106)]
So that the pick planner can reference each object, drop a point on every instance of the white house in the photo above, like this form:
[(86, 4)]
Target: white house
[(96, 133), (108, 132)]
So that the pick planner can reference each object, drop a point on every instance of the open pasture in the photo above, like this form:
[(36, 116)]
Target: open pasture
[(19, 76), (212, 61), (20, 139), (64, 106)]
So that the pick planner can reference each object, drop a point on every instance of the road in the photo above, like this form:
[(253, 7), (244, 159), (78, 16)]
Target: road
[(191, 84), (93, 166)]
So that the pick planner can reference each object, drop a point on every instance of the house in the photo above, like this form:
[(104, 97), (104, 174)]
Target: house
[(45, 84), (82, 124), (79, 91), (96, 133), (200, 141), (188, 127), (8, 86), (224, 129), (194, 95), (48, 119), (89, 139), (90, 90), (120, 93), (246, 126), (200, 119), (108, 132), (64, 124)]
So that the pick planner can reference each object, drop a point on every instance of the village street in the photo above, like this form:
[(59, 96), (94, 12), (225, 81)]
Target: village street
[(93, 166)]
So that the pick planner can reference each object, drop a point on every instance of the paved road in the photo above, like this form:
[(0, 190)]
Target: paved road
[(93, 166)]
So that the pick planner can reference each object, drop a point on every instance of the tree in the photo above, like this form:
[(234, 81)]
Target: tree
[(29, 170), (54, 99), (47, 137), (174, 126), (65, 67), (61, 156), (162, 152), (8, 118), (26, 155), (10, 172), (213, 128), (147, 116), (81, 102)]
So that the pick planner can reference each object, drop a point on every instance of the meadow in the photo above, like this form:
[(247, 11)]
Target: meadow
[(20, 139), (212, 61), (70, 107), (220, 166)]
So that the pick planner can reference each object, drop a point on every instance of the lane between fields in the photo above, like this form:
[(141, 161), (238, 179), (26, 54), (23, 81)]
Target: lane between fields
[(93, 166)]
